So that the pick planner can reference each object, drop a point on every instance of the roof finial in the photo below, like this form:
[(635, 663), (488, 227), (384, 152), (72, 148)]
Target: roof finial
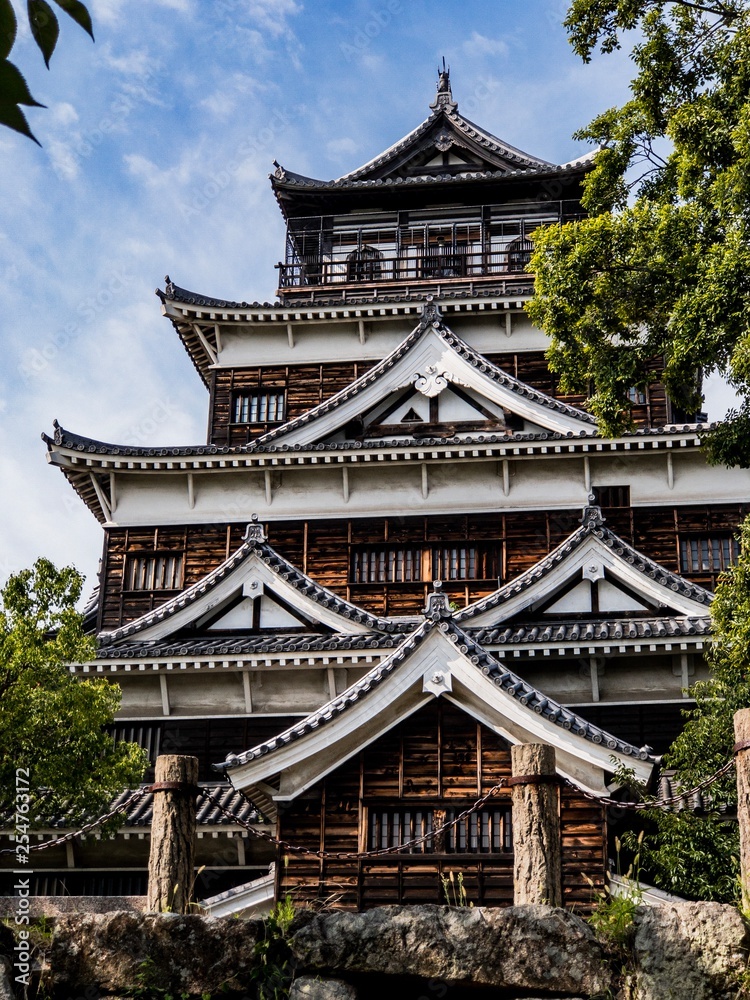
[(444, 97), (431, 314), (592, 513), (438, 605), (254, 531)]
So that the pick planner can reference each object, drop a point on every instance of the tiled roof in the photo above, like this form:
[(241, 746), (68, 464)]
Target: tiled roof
[(615, 630), (511, 684), (431, 321), (255, 542), (140, 813), (174, 293), (593, 524), (233, 645)]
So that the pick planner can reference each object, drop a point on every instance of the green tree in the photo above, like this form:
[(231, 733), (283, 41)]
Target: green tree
[(51, 723), (698, 855), (45, 29), (661, 267)]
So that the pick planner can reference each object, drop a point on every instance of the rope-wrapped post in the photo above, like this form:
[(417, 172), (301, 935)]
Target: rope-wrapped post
[(537, 843), (742, 764), (171, 861)]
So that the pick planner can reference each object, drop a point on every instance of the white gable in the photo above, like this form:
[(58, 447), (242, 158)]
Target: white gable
[(435, 667), (430, 364), (251, 579), (567, 587)]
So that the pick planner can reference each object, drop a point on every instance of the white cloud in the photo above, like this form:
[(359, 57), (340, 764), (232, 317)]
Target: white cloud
[(341, 147), (480, 45)]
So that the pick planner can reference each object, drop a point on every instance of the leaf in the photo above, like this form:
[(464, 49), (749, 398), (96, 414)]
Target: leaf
[(12, 116), (8, 27), (79, 13), (44, 27), (13, 87)]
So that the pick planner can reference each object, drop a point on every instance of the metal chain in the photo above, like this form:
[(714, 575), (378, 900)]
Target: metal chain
[(670, 800), (349, 855), (88, 827), (603, 800)]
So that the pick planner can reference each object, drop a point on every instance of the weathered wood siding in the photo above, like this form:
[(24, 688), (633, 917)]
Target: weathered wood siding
[(439, 758), (305, 386), (324, 550)]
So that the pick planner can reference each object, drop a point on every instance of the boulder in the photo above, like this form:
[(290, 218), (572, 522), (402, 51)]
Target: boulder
[(117, 953), (695, 950), (518, 948), (320, 988)]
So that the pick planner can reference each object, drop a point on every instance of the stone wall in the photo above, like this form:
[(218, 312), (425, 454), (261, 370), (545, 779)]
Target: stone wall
[(683, 951)]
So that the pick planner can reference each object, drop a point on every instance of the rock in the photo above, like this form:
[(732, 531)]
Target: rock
[(319, 988), (120, 952), (517, 948), (695, 950), (6, 980)]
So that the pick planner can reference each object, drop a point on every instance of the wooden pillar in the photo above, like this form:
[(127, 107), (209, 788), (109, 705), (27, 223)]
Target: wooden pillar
[(537, 868), (742, 766), (171, 861)]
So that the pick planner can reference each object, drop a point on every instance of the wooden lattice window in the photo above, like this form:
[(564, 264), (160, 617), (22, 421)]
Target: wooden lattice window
[(708, 554), (264, 407), (463, 561), (519, 254), (153, 571), (487, 831), (387, 564), (612, 496)]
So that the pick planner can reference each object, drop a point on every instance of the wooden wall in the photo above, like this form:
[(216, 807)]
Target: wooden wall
[(439, 758), (323, 549), (306, 386)]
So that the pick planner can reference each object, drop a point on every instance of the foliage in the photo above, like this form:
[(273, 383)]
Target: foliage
[(614, 916), (45, 30), (698, 855), (661, 266), (51, 724), (454, 889), (272, 975)]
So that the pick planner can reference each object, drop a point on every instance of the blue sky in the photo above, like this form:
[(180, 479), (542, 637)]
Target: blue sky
[(157, 142)]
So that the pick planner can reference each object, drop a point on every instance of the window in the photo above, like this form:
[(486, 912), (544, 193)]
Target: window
[(637, 395), (708, 555), (258, 407), (387, 565), (519, 254), (413, 564), (364, 265), (487, 831), (153, 571), (460, 561), (612, 496)]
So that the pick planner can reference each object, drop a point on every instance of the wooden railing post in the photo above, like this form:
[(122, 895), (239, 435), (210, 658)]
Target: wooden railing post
[(537, 845), (171, 860), (742, 767)]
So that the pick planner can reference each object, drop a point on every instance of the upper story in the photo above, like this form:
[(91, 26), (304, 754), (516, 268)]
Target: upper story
[(449, 203), (447, 212)]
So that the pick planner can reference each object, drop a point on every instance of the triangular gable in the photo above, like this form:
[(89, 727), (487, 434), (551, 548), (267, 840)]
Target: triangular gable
[(255, 589), (444, 144), (430, 360), (593, 572), (437, 660)]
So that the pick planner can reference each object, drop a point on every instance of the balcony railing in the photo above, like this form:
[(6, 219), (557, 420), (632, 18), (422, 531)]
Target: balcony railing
[(324, 252)]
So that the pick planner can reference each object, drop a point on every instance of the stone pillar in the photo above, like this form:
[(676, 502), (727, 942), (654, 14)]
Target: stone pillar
[(537, 869), (171, 861), (742, 735)]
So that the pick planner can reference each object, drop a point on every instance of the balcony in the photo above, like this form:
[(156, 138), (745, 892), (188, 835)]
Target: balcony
[(392, 253)]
